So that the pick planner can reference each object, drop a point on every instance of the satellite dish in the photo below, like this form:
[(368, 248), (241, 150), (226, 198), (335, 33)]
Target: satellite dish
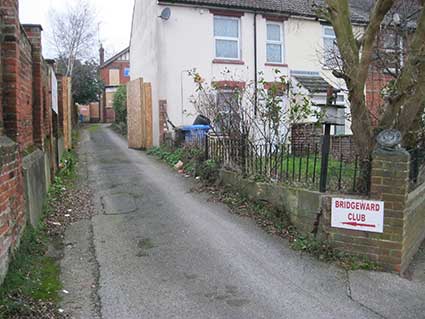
[(165, 14)]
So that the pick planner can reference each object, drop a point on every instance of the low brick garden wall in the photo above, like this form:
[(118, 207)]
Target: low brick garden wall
[(310, 211)]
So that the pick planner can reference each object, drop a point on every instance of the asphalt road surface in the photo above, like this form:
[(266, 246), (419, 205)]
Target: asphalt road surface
[(163, 251)]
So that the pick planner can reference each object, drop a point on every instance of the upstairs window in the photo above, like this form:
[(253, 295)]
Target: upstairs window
[(391, 55), (275, 43), (227, 38), (114, 77), (331, 51)]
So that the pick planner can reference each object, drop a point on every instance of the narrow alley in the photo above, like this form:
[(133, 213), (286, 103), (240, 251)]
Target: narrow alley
[(162, 251)]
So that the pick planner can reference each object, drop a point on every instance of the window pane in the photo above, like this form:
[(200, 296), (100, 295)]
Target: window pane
[(329, 32), (329, 45), (339, 130), (274, 53), (227, 101), (226, 49), (226, 27), (332, 55), (273, 32), (391, 41)]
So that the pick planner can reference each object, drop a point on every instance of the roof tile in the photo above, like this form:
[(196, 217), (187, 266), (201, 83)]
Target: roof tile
[(360, 9)]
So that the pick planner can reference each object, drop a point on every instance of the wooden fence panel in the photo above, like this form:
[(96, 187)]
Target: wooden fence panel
[(139, 114), (147, 88), (67, 112)]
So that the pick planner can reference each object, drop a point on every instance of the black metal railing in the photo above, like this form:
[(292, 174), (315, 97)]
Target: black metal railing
[(297, 165)]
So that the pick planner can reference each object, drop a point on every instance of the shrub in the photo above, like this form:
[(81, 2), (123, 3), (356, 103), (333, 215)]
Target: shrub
[(120, 104)]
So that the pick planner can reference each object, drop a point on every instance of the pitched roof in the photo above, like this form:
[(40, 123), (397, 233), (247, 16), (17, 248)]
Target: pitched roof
[(115, 57), (315, 84), (360, 9)]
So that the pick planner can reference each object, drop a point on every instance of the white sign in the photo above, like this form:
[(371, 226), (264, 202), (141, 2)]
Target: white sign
[(55, 105), (357, 214)]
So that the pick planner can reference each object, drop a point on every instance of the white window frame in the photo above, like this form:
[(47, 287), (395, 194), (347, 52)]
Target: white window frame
[(400, 45), (281, 42), (238, 39), (326, 36)]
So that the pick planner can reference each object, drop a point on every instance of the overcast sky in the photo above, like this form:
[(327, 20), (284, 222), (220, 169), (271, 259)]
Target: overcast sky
[(114, 18)]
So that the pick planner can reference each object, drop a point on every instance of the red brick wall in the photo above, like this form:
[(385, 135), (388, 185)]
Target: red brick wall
[(107, 114), (17, 77), (110, 115), (94, 112), (121, 65), (307, 134), (25, 106), (12, 216), (33, 33), (376, 81)]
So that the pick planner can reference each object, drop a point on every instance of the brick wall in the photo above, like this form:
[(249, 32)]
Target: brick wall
[(33, 33), (12, 216), (404, 222), (343, 145), (310, 134), (17, 77), (376, 81), (26, 112), (95, 112), (306, 134), (117, 65), (310, 211), (107, 114)]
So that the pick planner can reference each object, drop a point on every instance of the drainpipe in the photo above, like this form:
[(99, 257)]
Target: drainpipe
[(255, 65)]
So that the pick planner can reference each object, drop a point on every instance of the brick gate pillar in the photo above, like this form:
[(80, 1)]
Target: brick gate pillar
[(390, 183)]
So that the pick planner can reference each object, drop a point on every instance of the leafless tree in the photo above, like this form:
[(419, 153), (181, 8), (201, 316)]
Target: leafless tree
[(257, 114), (404, 96), (73, 34)]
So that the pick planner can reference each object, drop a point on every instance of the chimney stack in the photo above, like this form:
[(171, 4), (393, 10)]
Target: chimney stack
[(102, 55)]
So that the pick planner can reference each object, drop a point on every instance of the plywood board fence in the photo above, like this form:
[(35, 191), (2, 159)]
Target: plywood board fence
[(67, 112), (139, 114)]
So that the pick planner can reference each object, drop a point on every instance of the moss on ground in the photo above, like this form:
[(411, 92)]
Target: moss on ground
[(32, 275), (94, 128)]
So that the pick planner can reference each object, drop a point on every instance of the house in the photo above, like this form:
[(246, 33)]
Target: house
[(114, 72), (224, 39)]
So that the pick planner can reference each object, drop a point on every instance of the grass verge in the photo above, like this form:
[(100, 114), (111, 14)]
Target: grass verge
[(32, 284)]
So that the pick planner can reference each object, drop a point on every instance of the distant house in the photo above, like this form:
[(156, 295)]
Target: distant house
[(114, 72), (245, 37)]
